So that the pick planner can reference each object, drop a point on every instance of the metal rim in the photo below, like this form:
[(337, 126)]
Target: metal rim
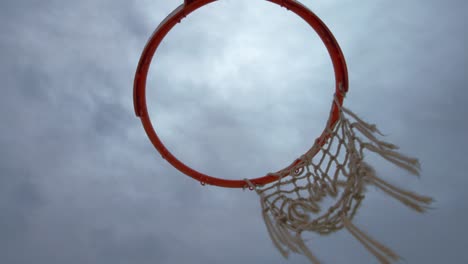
[(139, 89)]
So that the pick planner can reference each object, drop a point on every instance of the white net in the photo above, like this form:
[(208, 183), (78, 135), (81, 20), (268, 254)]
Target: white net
[(335, 171)]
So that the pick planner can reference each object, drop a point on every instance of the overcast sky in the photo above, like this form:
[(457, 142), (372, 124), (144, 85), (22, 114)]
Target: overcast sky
[(238, 89)]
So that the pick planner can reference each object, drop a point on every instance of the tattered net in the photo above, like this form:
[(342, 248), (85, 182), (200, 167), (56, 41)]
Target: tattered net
[(334, 169)]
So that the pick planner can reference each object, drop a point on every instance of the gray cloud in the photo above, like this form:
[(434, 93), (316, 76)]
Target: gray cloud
[(237, 89)]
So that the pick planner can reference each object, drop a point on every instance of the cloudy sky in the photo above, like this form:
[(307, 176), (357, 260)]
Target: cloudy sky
[(238, 89)]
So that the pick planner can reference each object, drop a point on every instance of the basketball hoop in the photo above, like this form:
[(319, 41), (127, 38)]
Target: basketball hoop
[(333, 167), (341, 79)]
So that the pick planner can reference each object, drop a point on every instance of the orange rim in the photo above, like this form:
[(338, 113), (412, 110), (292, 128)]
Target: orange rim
[(139, 89)]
